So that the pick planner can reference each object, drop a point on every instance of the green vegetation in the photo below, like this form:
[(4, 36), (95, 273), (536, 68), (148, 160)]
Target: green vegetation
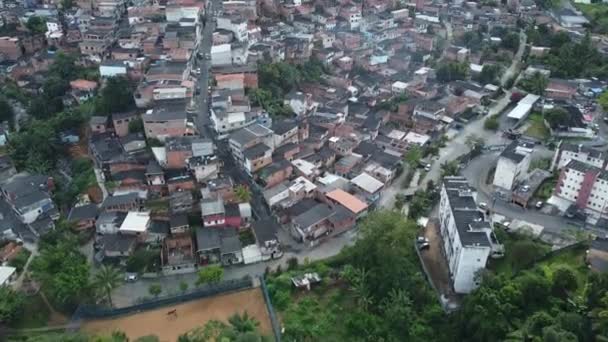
[(83, 177), (451, 71), (106, 280), (537, 127), (116, 96), (242, 194), (566, 56), (240, 328), (546, 189), (489, 74), (535, 84), (36, 24), (155, 290), (144, 260), (277, 79), (540, 163), (521, 251), (20, 260), (374, 291), (392, 105), (413, 156), (62, 270), (603, 101), (210, 274), (557, 117), (34, 313), (11, 305), (491, 123), (597, 14)]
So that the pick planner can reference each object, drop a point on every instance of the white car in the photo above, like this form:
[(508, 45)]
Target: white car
[(483, 205)]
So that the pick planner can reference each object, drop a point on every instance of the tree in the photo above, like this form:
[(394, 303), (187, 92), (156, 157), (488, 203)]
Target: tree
[(524, 252), (535, 84), (603, 100), (36, 24), (147, 338), (491, 123), (564, 281), (489, 74), (11, 304), (106, 280), (557, 117), (155, 290), (510, 41), (116, 96), (183, 286), (210, 274), (243, 323), (62, 270), (67, 4), (413, 156), (450, 168), (6, 110), (242, 193), (136, 126), (452, 71)]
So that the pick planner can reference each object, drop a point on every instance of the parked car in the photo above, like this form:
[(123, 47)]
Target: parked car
[(422, 239), (539, 204), (424, 246), (131, 277), (483, 205)]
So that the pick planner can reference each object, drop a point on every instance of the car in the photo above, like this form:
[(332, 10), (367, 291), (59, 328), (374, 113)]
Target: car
[(539, 204), (424, 246), (427, 168), (207, 56), (422, 239), (483, 205), (131, 277)]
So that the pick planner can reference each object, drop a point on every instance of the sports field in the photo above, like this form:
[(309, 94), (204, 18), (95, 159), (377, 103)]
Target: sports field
[(188, 316)]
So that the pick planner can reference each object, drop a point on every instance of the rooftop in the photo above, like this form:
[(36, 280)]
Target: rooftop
[(347, 200)]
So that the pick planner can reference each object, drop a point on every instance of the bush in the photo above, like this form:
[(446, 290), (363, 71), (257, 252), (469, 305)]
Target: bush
[(491, 123), (20, 260), (292, 263)]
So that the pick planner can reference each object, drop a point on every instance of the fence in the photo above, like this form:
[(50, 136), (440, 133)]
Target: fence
[(85, 311), (276, 329)]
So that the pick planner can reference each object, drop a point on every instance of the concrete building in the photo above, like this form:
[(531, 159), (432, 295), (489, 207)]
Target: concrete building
[(512, 165), (468, 240), (584, 154), (585, 186)]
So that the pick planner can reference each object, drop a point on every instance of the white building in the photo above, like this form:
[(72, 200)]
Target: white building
[(238, 26), (585, 186), (523, 108), (512, 165), (112, 69), (399, 87), (7, 275), (468, 240), (136, 223), (221, 55), (584, 154)]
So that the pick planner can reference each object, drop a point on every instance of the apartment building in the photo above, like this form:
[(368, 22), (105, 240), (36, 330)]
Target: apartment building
[(512, 166), (585, 186), (467, 239)]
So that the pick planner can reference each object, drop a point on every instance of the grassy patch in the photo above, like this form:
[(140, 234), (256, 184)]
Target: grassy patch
[(573, 259), (545, 190), (537, 128), (512, 262), (35, 314), (158, 205)]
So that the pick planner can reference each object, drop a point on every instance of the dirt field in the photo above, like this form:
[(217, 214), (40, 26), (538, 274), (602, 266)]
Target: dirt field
[(189, 315)]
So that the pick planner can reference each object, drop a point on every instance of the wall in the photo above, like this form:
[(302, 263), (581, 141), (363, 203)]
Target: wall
[(472, 260), (505, 173)]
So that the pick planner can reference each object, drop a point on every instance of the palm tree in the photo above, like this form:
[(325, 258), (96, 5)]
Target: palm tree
[(242, 194), (243, 323), (107, 279)]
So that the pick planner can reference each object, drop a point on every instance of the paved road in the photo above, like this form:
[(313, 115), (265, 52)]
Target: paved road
[(455, 148), (515, 65), (476, 173)]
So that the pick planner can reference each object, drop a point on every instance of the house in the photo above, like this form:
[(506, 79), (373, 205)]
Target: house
[(513, 164), (157, 232), (109, 222), (181, 202), (7, 168), (265, 232), (231, 250), (585, 186), (430, 110), (213, 212), (274, 173), (285, 131), (178, 223), (83, 217), (121, 122), (257, 157), (30, 196), (580, 152), (340, 197), (597, 255), (369, 187), (117, 246), (123, 203), (178, 254), (247, 137), (98, 124), (276, 194), (523, 108), (162, 123), (468, 240), (312, 224), (136, 223), (560, 89), (208, 242), (204, 167), (83, 90), (9, 252)]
